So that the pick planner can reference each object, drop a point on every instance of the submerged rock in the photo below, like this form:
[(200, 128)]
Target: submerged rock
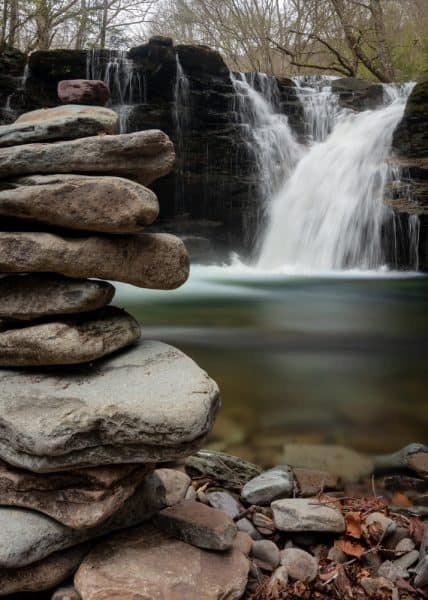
[(70, 340), (83, 91), (144, 156), (150, 403), (28, 297), (89, 203), (59, 123), (157, 261), (146, 562)]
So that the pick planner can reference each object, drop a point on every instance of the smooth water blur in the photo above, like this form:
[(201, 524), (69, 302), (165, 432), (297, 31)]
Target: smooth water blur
[(330, 358)]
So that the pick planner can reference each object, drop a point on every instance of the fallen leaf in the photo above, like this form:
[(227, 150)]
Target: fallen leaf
[(350, 548), (417, 529), (400, 499), (353, 524)]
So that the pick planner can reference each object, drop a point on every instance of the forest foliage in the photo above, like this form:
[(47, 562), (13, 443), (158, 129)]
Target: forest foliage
[(383, 40)]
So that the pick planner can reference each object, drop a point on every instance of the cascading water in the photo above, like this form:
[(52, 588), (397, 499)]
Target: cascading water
[(182, 123), (330, 214)]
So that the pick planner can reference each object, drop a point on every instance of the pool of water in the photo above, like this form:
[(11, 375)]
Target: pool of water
[(334, 359)]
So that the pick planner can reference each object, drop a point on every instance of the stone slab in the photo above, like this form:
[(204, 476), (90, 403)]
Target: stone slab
[(83, 202), (150, 403), (152, 260), (83, 91)]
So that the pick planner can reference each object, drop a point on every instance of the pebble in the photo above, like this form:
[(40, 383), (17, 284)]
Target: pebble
[(421, 570), (375, 585), (279, 577), (391, 571), (405, 545), (264, 524), (67, 592), (336, 555), (301, 514), (386, 524), (270, 485), (300, 565), (266, 551), (407, 560), (229, 505)]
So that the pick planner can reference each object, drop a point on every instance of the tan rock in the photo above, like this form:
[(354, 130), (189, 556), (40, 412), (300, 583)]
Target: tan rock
[(42, 575), (144, 563), (311, 481), (157, 261), (68, 341), (89, 203), (78, 499), (27, 297), (59, 123), (144, 156), (66, 592), (419, 462)]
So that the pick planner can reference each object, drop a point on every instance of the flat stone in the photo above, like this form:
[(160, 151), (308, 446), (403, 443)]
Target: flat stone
[(270, 485), (307, 514), (28, 297), (198, 524), (36, 536), (59, 123), (232, 472), (84, 202), (145, 562), (341, 461), (300, 565), (407, 560), (79, 499), (404, 545), (83, 91), (67, 341), (266, 551), (157, 261), (144, 156), (66, 592), (311, 482), (150, 403), (44, 574)]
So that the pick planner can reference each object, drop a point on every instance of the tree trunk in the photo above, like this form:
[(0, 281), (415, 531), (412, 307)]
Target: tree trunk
[(4, 24), (103, 33), (382, 45), (82, 26), (13, 22)]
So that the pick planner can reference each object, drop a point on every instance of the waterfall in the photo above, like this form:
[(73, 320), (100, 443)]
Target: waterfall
[(127, 85), (182, 123), (330, 214)]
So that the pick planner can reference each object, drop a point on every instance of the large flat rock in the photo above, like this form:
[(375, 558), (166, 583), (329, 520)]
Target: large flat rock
[(27, 537), (157, 261), (90, 203), (59, 123), (27, 297), (144, 156), (68, 341), (145, 563), (150, 403)]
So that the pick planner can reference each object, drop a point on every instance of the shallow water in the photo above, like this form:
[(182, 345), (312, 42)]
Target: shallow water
[(335, 359)]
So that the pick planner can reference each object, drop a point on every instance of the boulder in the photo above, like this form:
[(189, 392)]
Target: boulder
[(144, 156), (83, 91), (358, 94), (146, 563), (149, 404), (411, 135), (27, 297), (157, 261), (59, 123), (307, 514), (79, 499), (36, 536), (90, 203), (198, 524), (200, 58), (44, 574), (70, 340)]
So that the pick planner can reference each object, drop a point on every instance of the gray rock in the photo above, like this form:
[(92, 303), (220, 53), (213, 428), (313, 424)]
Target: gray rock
[(374, 586), (198, 524), (279, 578), (229, 471), (36, 536), (149, 404), (341, 461), (306, 514), (421, 570), (89, 203), (270, 485), (300, 565), (407, 560), (74, 340), (144, 156), (404, 545), (391, 571), (266, 551), (399, 459), (157, 261), (28, 297), (59, 123), (387, 525), (336, 555), (229, 505)]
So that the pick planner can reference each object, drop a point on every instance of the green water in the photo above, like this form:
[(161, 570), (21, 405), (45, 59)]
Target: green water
[(328, 359)]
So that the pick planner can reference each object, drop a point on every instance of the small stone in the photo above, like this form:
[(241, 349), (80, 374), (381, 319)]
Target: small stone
[(173, 485), (279, 578), (421, 570), (336, 555), (83, 91), (229, 505), (68, 341), (387, 525), (407, 560), (300, 565), (67, 592), (198, 524), (191, 493), (311, 482), (301, 514), (391, 571), (266, 551), (268, 486), (338, 460), (373, 585), (264, 524), (419, 463), (405, 545)]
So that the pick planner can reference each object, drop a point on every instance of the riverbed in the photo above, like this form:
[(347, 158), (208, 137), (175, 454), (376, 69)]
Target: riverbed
[(334, 358)]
